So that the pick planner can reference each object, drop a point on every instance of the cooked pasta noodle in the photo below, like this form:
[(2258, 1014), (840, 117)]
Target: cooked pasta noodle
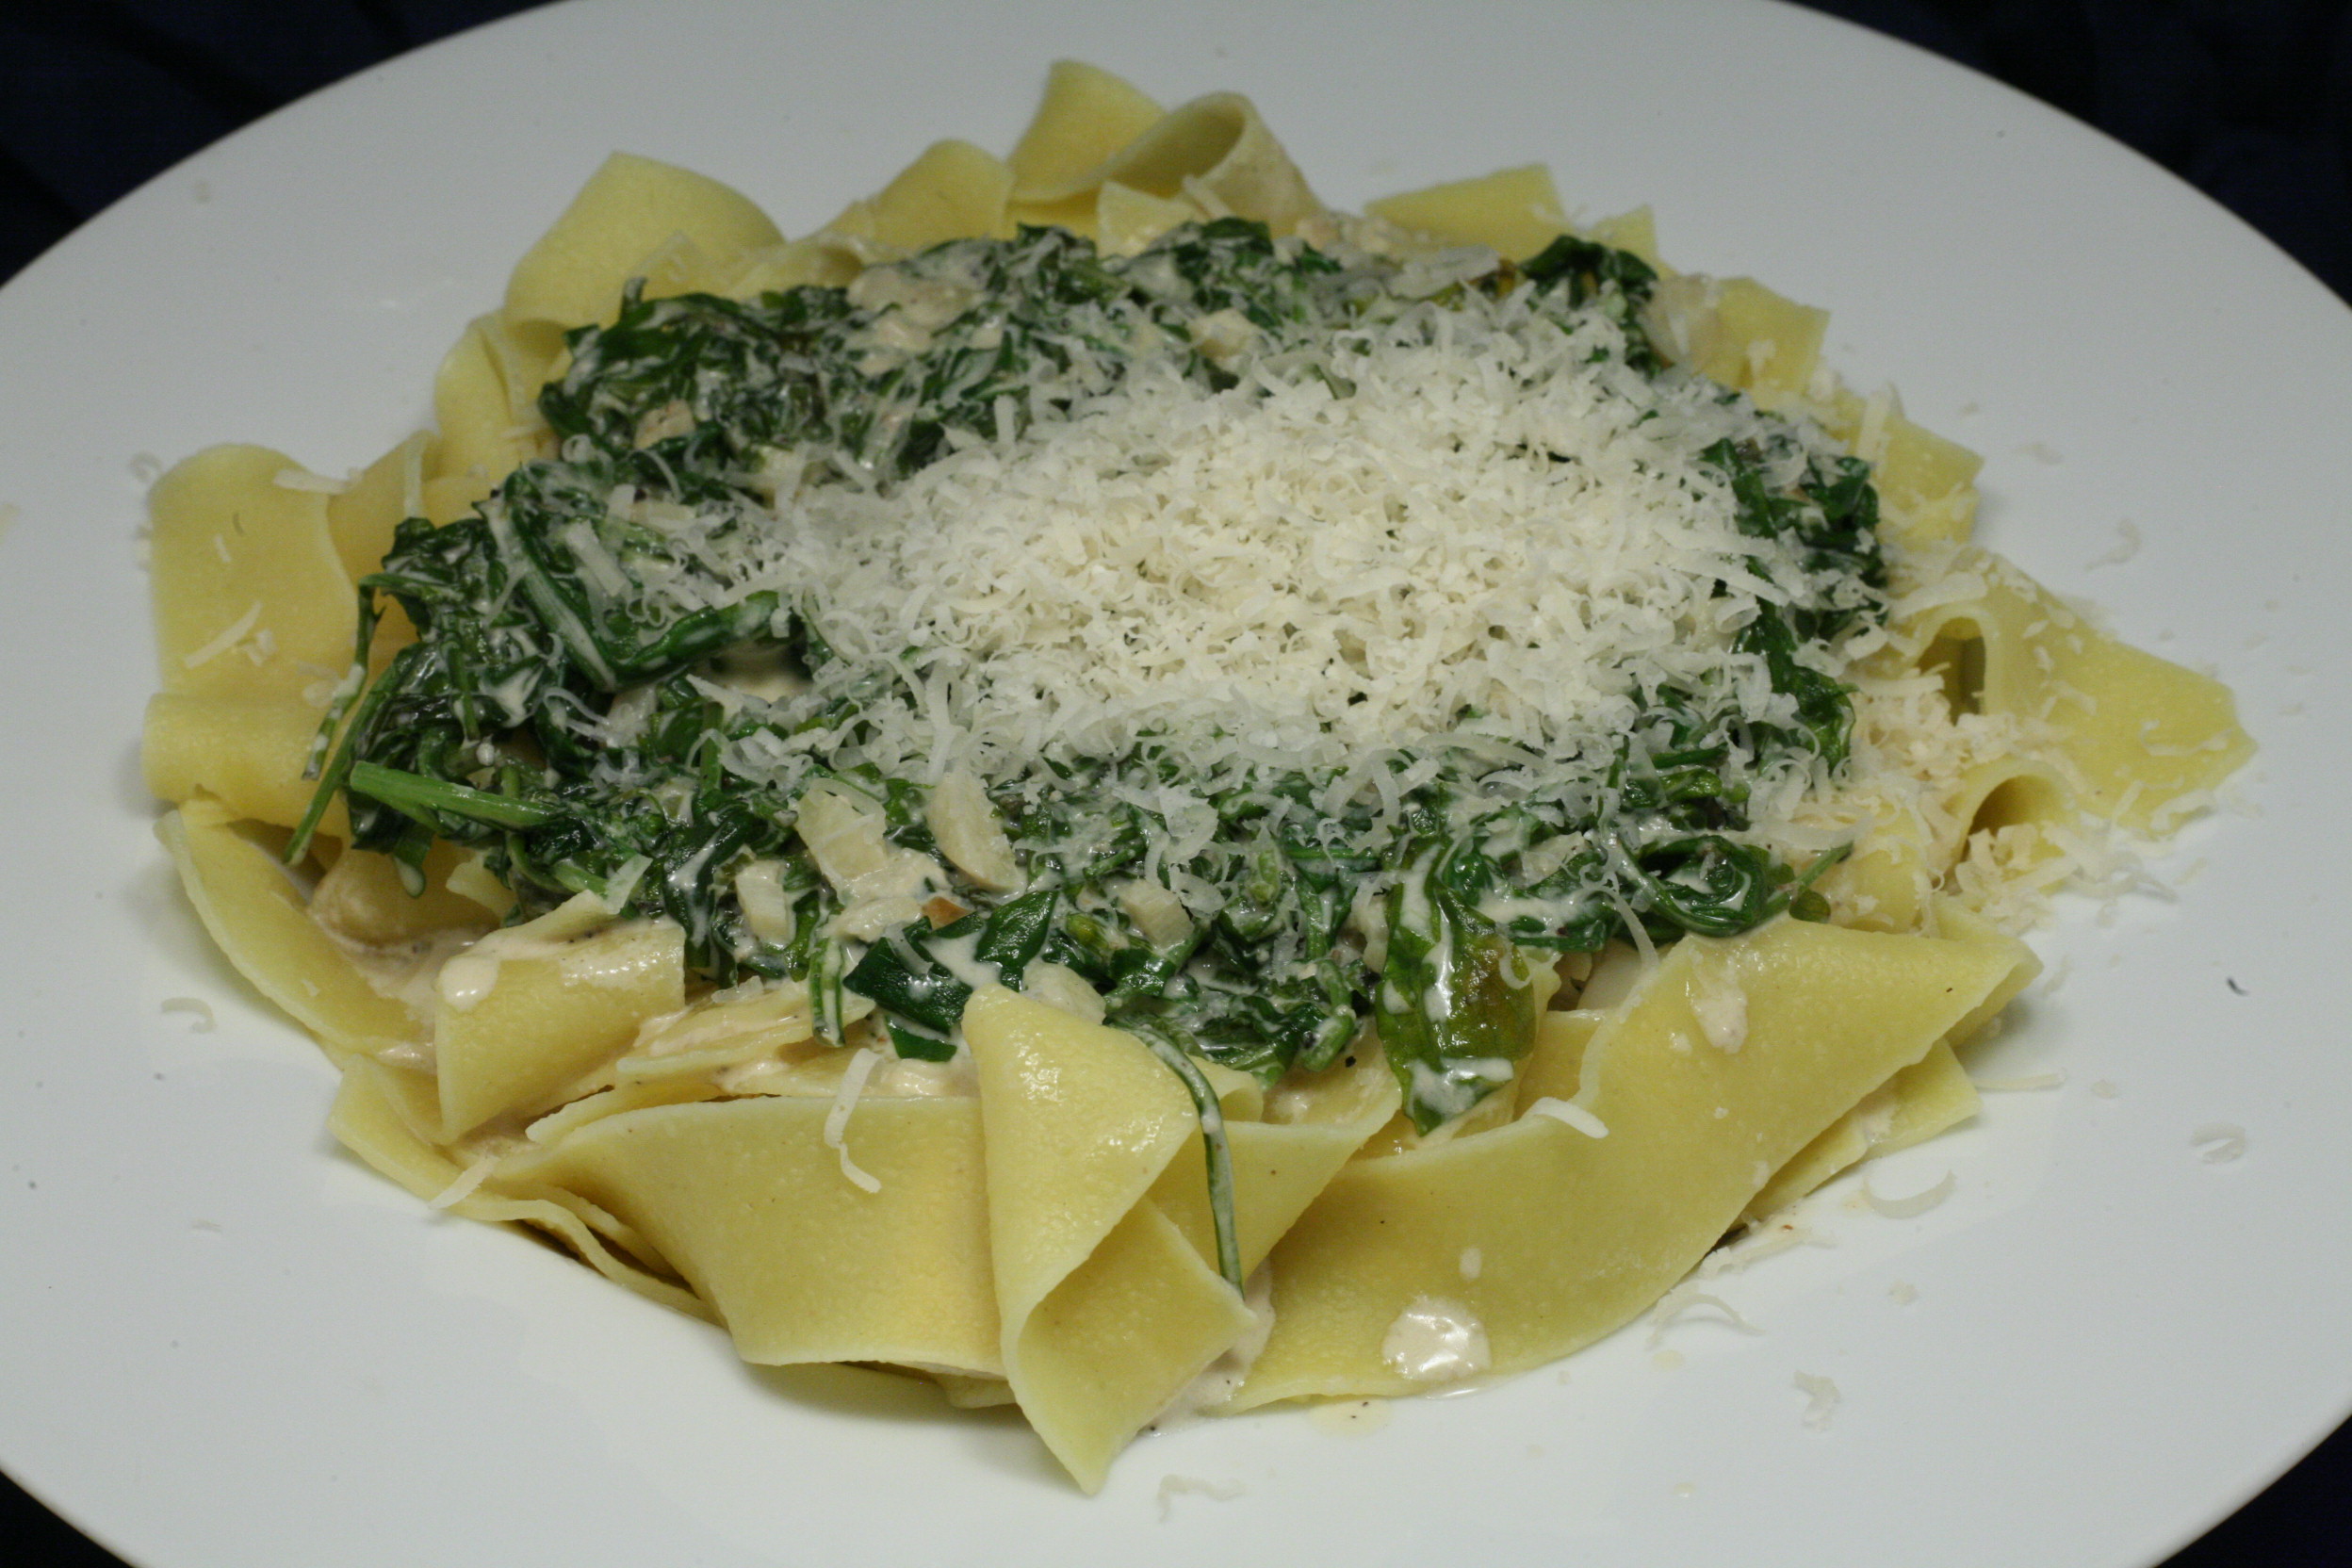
[(1096, 773)]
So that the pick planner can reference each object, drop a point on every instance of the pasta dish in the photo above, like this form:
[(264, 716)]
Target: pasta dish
[(1106, 786)]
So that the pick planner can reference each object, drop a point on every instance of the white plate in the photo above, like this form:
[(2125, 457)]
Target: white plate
[(226, 1343)]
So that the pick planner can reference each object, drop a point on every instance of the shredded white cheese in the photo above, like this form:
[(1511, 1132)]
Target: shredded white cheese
[(2219, 1142), (1682, 1302), (1491, 519), (1821, 1399), (229, 636), (1173, 1487), (1570, 1112), (861, 1065), (1918, 1203), (1720, 1007), (464, 1187), (2022, 1084)]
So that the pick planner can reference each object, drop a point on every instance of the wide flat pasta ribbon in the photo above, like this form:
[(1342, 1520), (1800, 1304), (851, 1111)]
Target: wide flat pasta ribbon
[(953, 190), (363, 517), (1321, 1122), (1917, 1102), (1930, 1096), (2146, 738), (1576, 1234), (524, 1013), (1277, 1171), (748, 1200), (485, 401), (1215, 155), (1743, 335), (250, 596), (1108, 1309), (386, 1116), (1086, 116), (362, 900), (244, 749), (1516, 211), (257, 915), (630, 208)]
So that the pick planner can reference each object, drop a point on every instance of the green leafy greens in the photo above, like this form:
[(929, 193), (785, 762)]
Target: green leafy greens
[(571, 708)]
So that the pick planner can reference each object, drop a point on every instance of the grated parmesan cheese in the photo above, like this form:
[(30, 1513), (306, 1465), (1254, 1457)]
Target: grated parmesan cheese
[(1175, 1486), (1494, 520), (2022, 1084), (464, 1187), (303, 480), (1917, 1203), (861, 1065), (1683, 1300), (2219, 1142), (229, 637), (1720, 1007), (1821, 1399), (1570, 1112)]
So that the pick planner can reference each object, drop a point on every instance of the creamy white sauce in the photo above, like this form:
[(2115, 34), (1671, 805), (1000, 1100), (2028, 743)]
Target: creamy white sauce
[(1436, 1341), (1722, 1009), (959, 956), (1223, 1377), (469, 975)]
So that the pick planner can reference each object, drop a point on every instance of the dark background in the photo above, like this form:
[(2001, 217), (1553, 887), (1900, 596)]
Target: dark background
[(2248, 100)]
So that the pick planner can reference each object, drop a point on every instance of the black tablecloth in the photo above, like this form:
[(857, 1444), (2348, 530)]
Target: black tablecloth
[(2248, 100)]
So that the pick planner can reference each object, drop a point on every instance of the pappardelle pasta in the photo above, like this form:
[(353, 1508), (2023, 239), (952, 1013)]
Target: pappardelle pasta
[(1104, 785)]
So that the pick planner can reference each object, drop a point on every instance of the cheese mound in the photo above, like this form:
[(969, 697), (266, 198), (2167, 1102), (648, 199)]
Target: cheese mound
[(1469, 515)]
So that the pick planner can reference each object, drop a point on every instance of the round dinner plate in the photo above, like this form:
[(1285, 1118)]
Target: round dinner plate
[(224, 1343)]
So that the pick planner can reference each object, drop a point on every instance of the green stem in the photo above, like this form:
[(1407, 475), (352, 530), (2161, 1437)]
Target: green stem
[(1215, 1146), (331, 774), (415, 794)]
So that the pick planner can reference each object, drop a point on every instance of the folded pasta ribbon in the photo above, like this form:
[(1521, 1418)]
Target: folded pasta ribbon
[(1693, 1118)]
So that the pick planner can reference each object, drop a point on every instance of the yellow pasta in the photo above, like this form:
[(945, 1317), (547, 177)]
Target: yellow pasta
[(2139, 735), (483, 399), (522, 1015), (744, 1199), (873, 1068), (628, 210), (251, 596), (259, 917), (362, 517), (1514, 210), (952, 191), (376, 1117), (246, 750), (1627, 1209), (1214, 152), (1086, 117)]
